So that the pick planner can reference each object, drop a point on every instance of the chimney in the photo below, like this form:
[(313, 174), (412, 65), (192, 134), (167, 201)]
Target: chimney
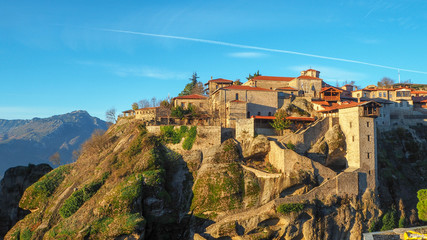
[(211, 77)]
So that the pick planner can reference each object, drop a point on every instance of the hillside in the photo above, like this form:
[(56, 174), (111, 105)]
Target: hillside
[(129, 184), (34, 141)]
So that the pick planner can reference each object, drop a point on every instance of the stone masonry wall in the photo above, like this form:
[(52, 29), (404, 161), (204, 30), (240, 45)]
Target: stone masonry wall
[(305, 139)]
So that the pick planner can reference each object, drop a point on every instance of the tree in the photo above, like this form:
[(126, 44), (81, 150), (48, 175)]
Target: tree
[(76, 154), (252, 76), (194, 87), (55, 159), (385, 82), (237, 82), (280, 123), (134, 106), (422, 204), (110, 115), (144, 103)]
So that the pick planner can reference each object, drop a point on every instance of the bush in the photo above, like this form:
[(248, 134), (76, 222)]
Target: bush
[(170, 135), (79, 197), (389, 220), (136, 145), (26, 234), (191, 137), (422, 204), (44, 188), (290, 207), (290, 145), (402, 222)]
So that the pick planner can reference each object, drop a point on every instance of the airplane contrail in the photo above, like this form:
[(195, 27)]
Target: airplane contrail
[(256, 48)]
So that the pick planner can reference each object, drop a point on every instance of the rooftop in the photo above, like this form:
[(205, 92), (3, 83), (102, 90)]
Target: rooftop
[(271, 78), (192, 96), (308, 77), (248, 88)]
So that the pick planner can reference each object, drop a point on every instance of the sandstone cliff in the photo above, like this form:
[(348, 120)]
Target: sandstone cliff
[(129, 184), (12, 186)]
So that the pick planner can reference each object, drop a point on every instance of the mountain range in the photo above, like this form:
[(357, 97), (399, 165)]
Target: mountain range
[(34, 141)]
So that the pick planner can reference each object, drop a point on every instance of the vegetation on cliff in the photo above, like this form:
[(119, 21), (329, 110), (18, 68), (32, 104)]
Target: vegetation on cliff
[(119, 186)]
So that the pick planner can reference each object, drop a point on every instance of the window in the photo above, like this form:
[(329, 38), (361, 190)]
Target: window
[(380, 94), (373, 95), (269, 113), (367, 124), (368, 155), (364, 94), (182, 105), (237, 96), (248, 114), (259, 113), (352, 138), (369, 138), (391, 95), (351, 124), (401, 104)]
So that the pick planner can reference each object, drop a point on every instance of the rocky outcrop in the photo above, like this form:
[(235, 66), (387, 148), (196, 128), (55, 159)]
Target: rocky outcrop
[(330, 150), (12, 186)]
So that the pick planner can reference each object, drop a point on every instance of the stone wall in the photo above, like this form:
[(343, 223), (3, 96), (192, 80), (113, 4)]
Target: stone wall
[(304, 139), (245, 128)]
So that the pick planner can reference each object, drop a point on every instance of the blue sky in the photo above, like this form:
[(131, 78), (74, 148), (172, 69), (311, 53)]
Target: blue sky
[(60, 56)]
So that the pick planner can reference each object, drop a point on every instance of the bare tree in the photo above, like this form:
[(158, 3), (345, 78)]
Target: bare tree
[(385, 82), (55, 159), (76, 154), (144, 103), (110, 115)]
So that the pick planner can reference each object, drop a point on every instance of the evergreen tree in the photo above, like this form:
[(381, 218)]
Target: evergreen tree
[(193, 87)]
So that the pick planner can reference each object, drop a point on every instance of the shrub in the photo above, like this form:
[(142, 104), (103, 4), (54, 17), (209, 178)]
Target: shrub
[(136, 145), (191, 137), (290, 145), (389, 220), (44, 188), (422, 204), (25, 235), (79, 197), (290, 207), (402, 222)]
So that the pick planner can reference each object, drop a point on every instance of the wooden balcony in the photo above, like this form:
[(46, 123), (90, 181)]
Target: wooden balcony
[(331, 98)]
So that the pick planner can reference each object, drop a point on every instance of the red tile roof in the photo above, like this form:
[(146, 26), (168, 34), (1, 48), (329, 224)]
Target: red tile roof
[(309, 77), (424, 101), (322, 103), (335, 88), (418, 92), (192, 96), (221, 80), (307, 119), (287, 88), (342, 106), (271, 78), (311, 69), (248, 88)]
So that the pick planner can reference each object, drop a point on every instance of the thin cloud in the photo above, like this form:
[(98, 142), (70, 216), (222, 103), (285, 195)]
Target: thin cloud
[(136, 71), (257, 48), (247, 54)]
